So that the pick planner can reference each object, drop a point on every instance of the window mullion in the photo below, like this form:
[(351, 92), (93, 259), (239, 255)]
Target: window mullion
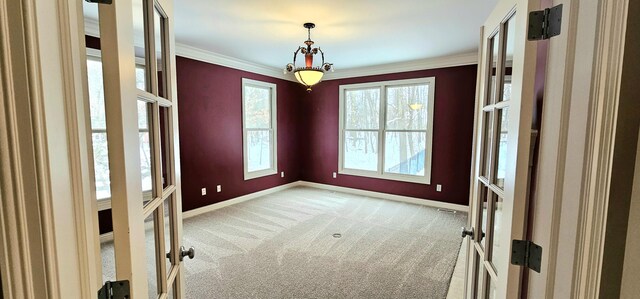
[(381, 128)]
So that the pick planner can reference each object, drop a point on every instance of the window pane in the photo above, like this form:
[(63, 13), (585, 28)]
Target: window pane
[(168, 224), (407, 107), (101, 165), (484, 201), (165, 146), (361, 150), (158, 30), (96, 94), (496, 230), (257, 107), (405, 152), (503, 129), (258, 150), (146, 158), (139, 41), (151, 246), (141, 81), (480, 272), (492, 290), (486, 140), (493, 48), (362, 109), (508, 59)]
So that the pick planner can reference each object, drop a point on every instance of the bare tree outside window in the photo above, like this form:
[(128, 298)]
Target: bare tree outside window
[(259, 127), (386, 129)]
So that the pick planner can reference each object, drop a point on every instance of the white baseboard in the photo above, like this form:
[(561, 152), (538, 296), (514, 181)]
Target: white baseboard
[(106, 237), (236, 200), (407, 199)]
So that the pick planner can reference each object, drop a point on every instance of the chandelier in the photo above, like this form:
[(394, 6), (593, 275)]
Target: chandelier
[(308, 75)]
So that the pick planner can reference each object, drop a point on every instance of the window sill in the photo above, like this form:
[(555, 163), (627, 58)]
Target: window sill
[(424, 180), (259, 174)]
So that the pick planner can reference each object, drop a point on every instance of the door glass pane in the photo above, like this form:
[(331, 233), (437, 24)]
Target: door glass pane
[(480, 273), (362, 109), (140, 43), (508, 59), (484, 209), (171, 294), (150, 252), (98, 128), (96, 93), (257, 107), (503, 130), (146, 153), (107, 250), (407, 107), (494, 44), (404, 152), (487, 124), (361, 150), (168, 224), (165, 146), (158, 31), (492, 290), (496, 231), (258, 150)]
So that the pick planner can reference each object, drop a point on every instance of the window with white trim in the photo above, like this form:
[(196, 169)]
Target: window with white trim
[(99, 131), (259, 129), (386, 129)]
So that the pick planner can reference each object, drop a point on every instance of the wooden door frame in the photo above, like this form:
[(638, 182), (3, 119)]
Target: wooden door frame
[(576, 147), (48, 230)]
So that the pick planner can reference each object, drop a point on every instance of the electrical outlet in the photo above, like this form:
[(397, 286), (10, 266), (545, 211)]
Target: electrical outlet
[(335, 175), (282, 174), (439, 188), (204, 191), (219, 188)]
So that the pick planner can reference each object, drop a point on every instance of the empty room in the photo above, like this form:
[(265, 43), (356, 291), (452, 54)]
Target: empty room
[(331, 149)]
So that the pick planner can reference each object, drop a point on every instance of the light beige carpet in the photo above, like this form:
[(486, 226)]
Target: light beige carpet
[(282, 246)]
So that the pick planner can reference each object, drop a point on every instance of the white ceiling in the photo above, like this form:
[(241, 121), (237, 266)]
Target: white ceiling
[(354, 33)]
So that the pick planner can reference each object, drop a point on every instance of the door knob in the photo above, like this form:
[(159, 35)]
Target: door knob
[(467, 231), (191, 253)]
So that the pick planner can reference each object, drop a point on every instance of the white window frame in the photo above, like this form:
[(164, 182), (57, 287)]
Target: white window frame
[(274, 131), (379, 173)]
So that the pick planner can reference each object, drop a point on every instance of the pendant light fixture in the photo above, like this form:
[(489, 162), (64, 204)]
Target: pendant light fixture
[(308, 75)]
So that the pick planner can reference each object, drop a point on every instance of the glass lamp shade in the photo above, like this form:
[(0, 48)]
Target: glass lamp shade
[(309, 77)]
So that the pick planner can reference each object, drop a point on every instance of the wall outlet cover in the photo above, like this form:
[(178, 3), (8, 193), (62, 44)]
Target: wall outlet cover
[(282, 174), (204, 191), (219, 188), (335, 175), (439, 188)]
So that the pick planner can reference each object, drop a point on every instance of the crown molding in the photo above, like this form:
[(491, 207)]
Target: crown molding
[(93, 29), (227, 61), (406, 66)]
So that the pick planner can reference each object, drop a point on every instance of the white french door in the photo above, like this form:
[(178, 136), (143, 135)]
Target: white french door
[(137, 43), (500, 179)]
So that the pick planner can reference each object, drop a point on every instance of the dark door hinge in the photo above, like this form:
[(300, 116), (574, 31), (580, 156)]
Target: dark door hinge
[(100, 1), (527, 254), (545, 24), (115, 290)]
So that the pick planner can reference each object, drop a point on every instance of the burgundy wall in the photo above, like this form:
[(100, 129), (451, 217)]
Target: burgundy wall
[(210, 120), (452, 138), (210, 127)]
